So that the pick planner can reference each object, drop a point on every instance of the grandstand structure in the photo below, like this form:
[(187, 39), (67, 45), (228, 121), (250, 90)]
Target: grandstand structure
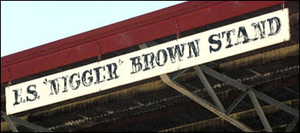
[(254, 90)]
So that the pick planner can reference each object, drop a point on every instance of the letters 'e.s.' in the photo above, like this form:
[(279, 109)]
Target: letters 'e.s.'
[(214, 44)]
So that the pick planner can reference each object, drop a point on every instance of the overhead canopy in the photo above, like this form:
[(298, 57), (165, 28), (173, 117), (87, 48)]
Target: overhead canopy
[(124, 34), (253, 91)]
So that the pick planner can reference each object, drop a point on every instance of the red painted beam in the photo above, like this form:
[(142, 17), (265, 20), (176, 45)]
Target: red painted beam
[(5, 74), (106, 31), (123, 34)]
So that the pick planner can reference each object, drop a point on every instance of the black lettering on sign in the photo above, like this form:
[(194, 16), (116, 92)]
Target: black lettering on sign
[(147, 61), (98, 74), (18, 97), (112, 70), (211, 40), (193, 48), (65, 83), (54, 86), (136, 64), (176, 52), (259, 29), (242, 34), (87, 81), (31, 90), (32, 94), (275, 25), (77, 81), (228, 37), (159, 55)]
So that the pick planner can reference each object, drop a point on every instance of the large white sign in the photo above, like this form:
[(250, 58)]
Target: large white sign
[(229, 40)]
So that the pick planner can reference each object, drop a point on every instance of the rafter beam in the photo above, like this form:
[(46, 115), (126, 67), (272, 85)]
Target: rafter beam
[(209, 89), (8, 120), (29, 124), (260, 112), (165, 78), (243, 87)]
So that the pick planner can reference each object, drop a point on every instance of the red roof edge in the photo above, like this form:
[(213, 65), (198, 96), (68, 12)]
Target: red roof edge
[(124, 34)]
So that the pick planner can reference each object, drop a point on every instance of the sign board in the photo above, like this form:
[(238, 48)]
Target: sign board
[(214, 44)]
